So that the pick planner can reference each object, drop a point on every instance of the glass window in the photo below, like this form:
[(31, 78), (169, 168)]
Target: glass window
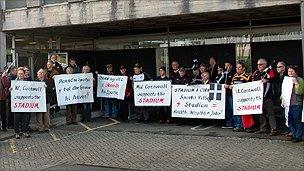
[(54, 1), (12, 4)]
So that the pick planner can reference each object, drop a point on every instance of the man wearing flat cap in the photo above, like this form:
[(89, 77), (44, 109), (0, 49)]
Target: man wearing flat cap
[(110, 104)]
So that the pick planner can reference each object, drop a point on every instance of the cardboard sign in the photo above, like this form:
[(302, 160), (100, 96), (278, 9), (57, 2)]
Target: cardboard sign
[(111, 86), (199, 101), (248, 98), (74, 88), (152, 93), (28, 96)]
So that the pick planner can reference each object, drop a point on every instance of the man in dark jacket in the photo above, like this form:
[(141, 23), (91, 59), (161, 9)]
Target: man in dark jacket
[(228, 75), (277, 88), (266, 75)]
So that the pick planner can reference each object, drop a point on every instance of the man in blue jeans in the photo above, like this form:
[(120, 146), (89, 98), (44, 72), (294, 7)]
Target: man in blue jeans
[(228, 74), (110, 104)]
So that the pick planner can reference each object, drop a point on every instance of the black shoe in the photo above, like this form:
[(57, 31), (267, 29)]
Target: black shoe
[(10, 127), (68, 123), (146, 122), (75, 123), (47, 130), (4, 129), (297, 140), (138, 121)]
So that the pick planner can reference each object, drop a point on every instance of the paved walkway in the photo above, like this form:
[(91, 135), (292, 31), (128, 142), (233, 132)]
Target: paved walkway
[(109, 145)]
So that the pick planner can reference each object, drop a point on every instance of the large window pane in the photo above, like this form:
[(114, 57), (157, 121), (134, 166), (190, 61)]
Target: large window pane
[(11, 4), (54, 1)]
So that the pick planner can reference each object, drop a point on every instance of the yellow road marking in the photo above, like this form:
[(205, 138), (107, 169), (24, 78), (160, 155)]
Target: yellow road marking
[(13, 145), (114, 120), (55, 138), (85, 126)]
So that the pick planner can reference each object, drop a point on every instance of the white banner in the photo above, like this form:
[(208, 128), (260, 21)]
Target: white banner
[(74, 88), (287, 86), (111, 86), (198, 101), (152, 93), (248, 98), (28, 96)]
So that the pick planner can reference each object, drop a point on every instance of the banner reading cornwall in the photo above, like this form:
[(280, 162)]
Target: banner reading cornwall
[(152, 93), (74, 88), (198, 101), (248, 98), (111, 86), (28, 96)]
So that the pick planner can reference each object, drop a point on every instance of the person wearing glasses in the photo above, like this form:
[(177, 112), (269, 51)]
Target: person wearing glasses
[(266, 75), (277, 88)]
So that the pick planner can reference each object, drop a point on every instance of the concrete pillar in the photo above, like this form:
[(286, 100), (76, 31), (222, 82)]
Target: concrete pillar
[(2, 37), (302, 28), (162, 59), (13, 50)]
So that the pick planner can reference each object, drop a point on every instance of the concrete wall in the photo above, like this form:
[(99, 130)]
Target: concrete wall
[(98, 11), (2, 39)]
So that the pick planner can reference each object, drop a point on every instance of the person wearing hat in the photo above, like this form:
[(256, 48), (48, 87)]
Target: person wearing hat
[(139, 75), (110, 104), (164, 111), (124, 104)]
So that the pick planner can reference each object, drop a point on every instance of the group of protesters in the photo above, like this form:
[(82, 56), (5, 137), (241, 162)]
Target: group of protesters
[(228, 74)]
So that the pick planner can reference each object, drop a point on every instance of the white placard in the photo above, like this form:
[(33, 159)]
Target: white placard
[(287, 86), (152, 93), (248, 98), (74, 88), (28, 96), (111, 86), (198, 101)]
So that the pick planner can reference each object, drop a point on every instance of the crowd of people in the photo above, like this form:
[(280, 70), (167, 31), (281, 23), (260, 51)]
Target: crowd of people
[(228, 74)]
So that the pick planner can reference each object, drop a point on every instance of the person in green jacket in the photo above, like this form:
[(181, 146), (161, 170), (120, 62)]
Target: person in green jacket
[(296, 105)]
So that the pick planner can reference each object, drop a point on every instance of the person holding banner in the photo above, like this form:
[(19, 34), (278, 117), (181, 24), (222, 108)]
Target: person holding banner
[(124, 104), (71, 108), (143, 113), (266, 75), (183, 79), (21, 118), (43, 118), (4, 86), (164, 111), (245, 121), (87, 114), (295, 108), (110, 104)]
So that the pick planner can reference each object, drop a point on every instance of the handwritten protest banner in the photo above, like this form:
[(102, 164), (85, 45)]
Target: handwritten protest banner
[(28, 96), (111, 86), (198, 101), (74, 88), (248, 98), (152, 93)]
